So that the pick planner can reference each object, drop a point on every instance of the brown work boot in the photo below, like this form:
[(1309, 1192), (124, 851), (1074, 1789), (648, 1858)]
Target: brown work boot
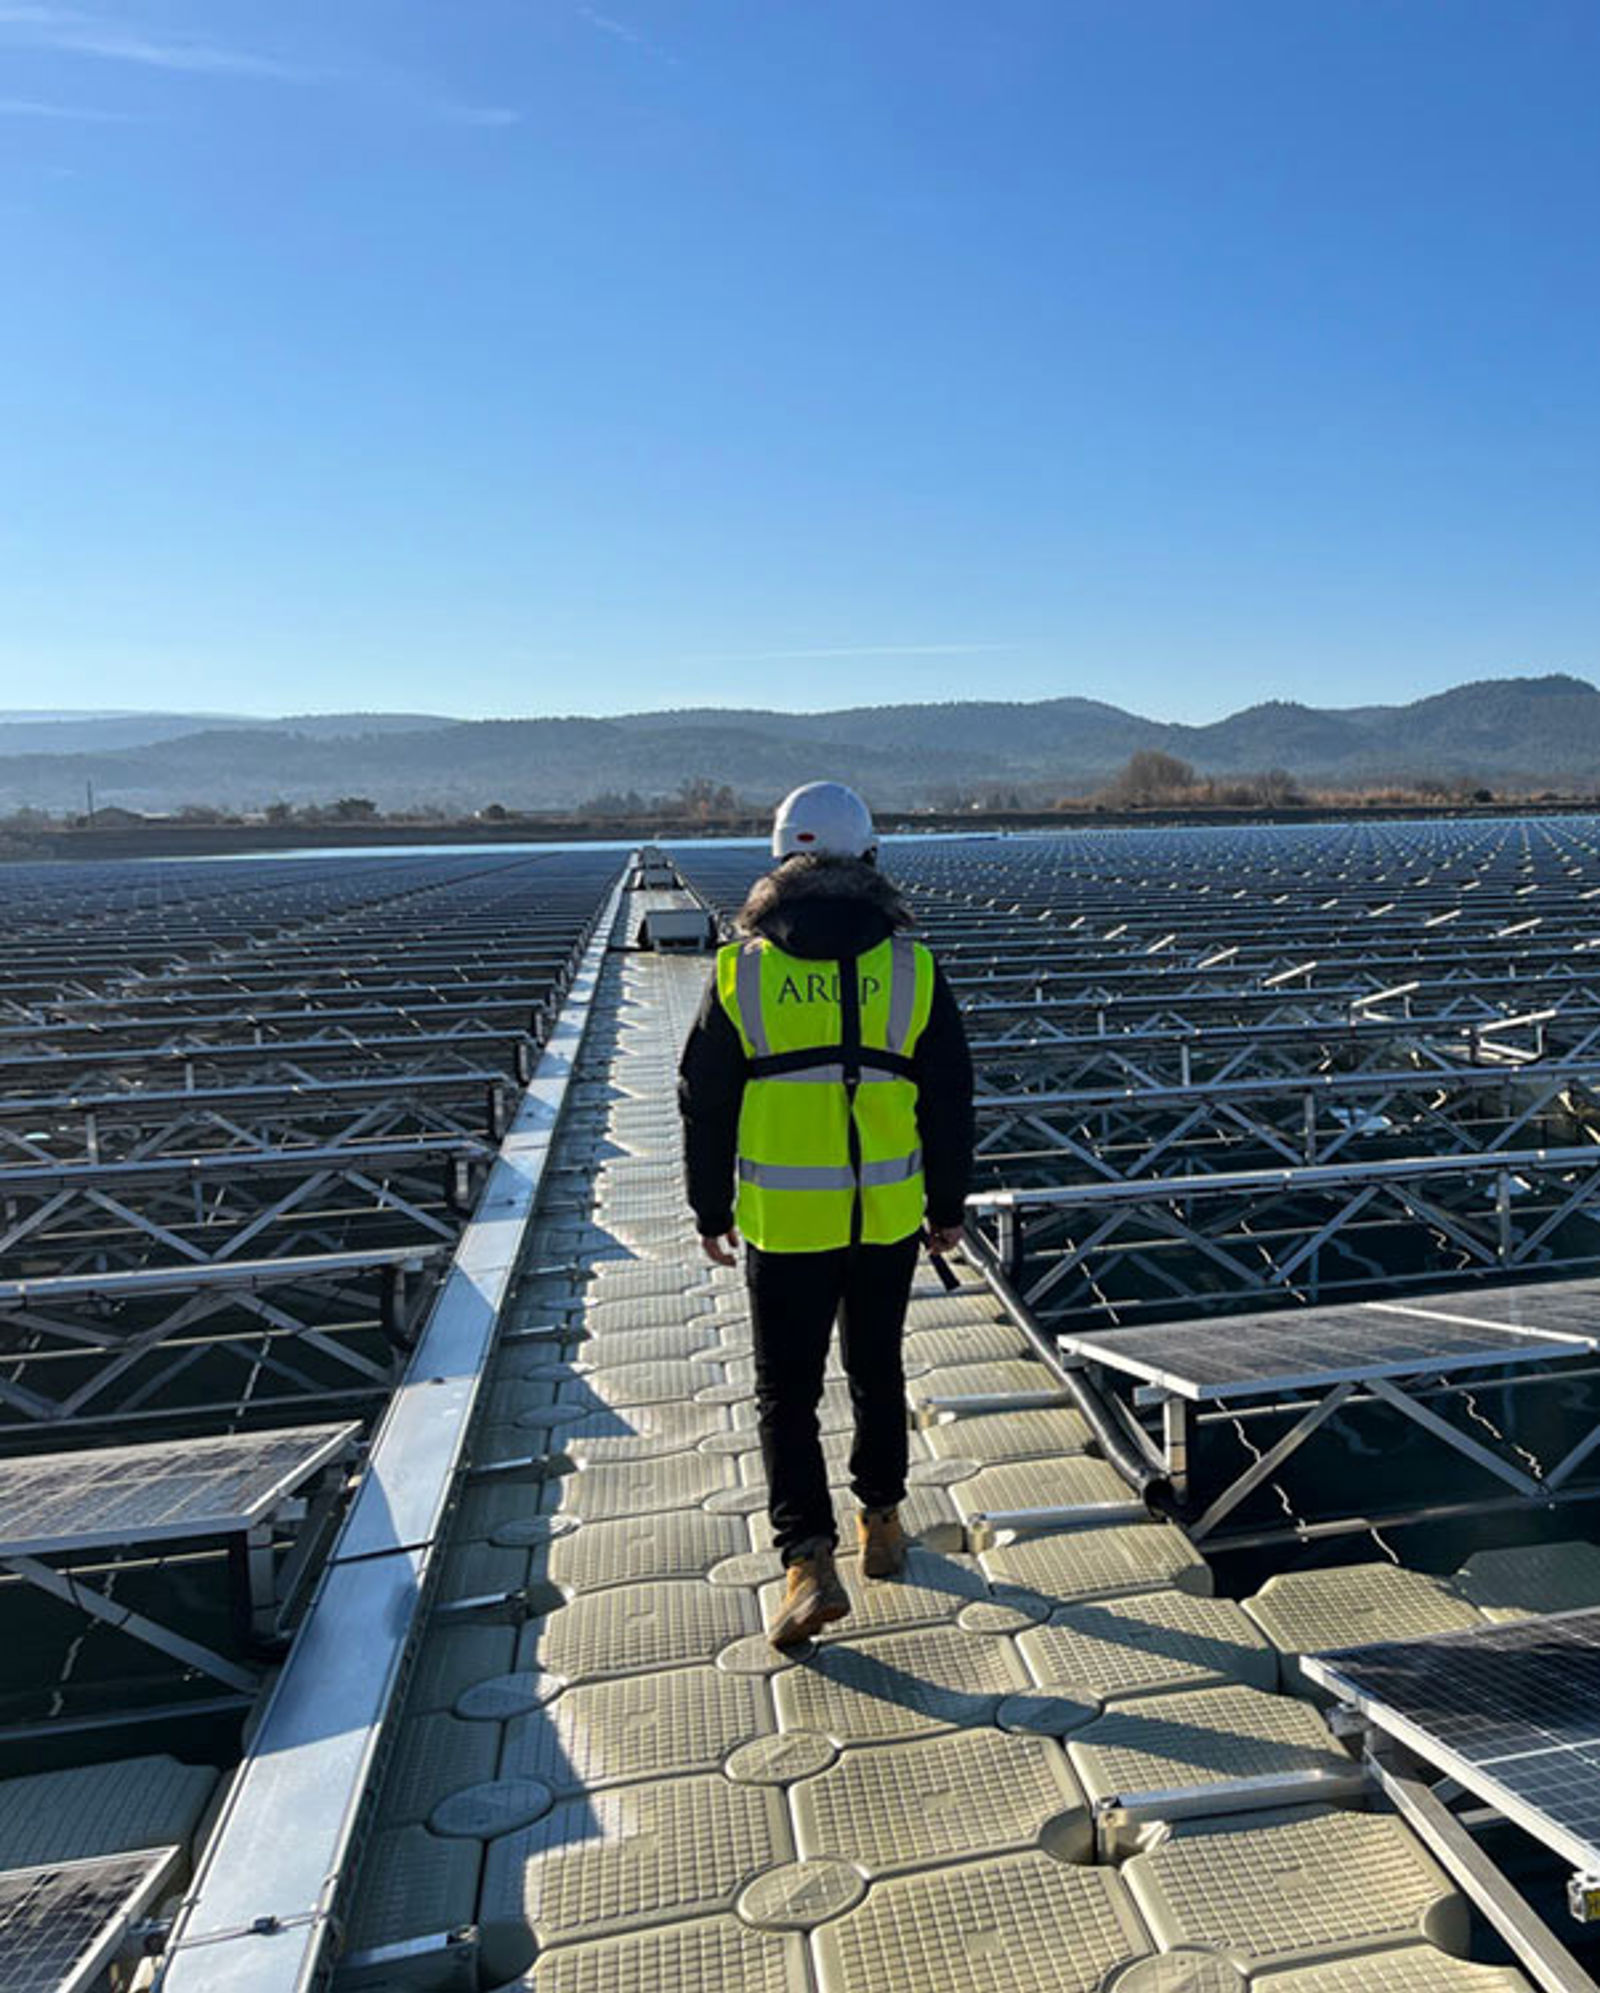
[(883, 1542), (812, 1597)]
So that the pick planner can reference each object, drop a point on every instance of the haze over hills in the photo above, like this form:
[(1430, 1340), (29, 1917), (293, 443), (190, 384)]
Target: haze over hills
[(93, 733), (1515, 732)]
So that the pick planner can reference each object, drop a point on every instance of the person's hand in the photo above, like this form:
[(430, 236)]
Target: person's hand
[(943, 1239), (723, 1251)]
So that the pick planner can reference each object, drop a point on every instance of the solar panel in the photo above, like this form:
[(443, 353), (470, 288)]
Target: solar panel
[(1251, 1355), (1512, 1712), (1567, 1307), (60, 1925), (146, 1494)]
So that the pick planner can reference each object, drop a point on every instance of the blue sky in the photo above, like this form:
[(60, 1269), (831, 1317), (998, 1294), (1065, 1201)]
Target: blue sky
[(514, 356)]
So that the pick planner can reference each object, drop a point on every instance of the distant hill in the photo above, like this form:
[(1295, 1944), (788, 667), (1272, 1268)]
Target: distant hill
[(94, 733), (89, 733), (1523, 732)]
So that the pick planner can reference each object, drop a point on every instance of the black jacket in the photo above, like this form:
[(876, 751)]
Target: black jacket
[(823, 910)]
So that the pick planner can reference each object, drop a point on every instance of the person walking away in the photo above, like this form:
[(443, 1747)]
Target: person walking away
[(827, 1075)]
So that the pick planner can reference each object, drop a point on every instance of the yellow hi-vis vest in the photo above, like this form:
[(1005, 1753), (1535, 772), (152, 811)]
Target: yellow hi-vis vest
[(829, 1153)]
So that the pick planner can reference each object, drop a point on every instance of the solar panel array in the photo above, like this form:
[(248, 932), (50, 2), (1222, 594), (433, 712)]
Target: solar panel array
[(1218, 1070), (216, 1065), (1513, 1712), (59, 1923), (1248, 1355), (144, 1494), (246, 1109), (1222, 1067)]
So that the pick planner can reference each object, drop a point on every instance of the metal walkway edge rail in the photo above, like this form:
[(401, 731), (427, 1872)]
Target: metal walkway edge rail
[(259, 1912)]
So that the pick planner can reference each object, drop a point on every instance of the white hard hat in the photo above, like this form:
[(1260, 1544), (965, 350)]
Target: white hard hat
[(823, 820)]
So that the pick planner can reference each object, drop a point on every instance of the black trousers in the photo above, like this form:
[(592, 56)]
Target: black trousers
[(794, 1299)]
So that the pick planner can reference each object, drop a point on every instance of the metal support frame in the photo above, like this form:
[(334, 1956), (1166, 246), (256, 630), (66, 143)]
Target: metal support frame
[(1267, 1464), (101, 1723), (1138, 1464), (987, 1527), (1299, 1533), (1469, 1448), (89, 1599), (1272, 1233), (1176, 1434), (81, 1345), (1339, 1397), (1311, 1382), (1538, 1950), (1528, 1487), (260, 1590), (446, 1962), (1030, 1132)]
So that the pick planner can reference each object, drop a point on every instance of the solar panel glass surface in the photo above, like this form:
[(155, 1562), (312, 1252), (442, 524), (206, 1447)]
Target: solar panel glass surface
[(1512, 1711), (56, 1921), (138, 1494), (1569, 1307), (1245, 1355)]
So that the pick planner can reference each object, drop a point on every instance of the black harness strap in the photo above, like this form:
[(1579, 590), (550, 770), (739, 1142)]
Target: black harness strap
[(850, 1021), (850, 1054), (774, 1064)]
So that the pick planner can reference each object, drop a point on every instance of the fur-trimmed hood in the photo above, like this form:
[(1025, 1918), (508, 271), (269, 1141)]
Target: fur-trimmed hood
[(824, 908)]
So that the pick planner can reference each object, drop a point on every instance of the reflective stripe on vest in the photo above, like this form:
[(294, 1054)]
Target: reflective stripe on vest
[(749, 988), (798, 1190), (902, 991), (805, 1176)]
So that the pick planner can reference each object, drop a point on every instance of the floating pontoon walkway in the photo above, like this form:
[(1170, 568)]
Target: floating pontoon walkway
[(1055, 1763)]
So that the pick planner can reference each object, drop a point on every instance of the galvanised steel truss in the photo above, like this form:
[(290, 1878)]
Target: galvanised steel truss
[(1160, 1054), (1116, 1134), (1151, 1248), (245, 1110), (1221, 1066)]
